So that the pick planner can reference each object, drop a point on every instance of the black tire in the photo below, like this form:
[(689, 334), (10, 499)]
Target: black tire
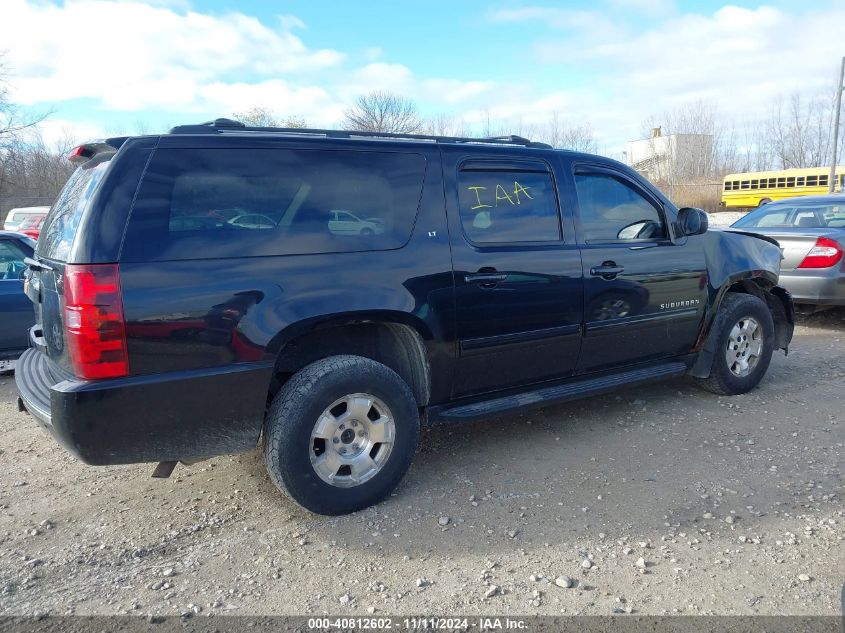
[(735, 307), (367, 233), (763, 202), (298, 406)]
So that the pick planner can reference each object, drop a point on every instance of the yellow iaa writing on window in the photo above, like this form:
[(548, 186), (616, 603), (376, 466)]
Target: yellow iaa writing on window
[(499, 194)]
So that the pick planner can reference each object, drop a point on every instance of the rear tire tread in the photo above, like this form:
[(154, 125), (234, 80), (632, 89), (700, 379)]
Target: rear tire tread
[(286, 416)]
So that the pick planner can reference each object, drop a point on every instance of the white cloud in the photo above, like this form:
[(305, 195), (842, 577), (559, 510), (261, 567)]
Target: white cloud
[(452, 91), (631, 59), (309, 102), (60, 132), (571, 19), (656, 8), (379, 76), (400, 79), (739, 59), (373, 53), (132, 55)]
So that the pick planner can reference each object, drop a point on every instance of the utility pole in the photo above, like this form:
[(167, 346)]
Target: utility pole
[(839, 89)]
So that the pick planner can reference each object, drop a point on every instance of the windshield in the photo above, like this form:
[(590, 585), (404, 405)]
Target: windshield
[(789, 216), (60, 227)]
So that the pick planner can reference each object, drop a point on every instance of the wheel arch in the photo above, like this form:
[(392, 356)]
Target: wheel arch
[(775, 297), (393, 339)]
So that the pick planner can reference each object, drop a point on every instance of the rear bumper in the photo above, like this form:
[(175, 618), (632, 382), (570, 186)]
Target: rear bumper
[(166, 417), (823, 288)]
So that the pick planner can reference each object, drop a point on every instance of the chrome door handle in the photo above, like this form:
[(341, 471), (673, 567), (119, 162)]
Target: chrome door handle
[(475, 278), (606, 271)]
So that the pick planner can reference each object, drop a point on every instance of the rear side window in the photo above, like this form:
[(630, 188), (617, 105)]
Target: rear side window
[(208, 203), (60, 226), (508, 206)]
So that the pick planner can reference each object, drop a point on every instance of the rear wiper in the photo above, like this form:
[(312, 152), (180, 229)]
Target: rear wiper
[(36, 265)]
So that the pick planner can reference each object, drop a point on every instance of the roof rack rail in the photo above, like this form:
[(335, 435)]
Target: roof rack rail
[(223, 126)]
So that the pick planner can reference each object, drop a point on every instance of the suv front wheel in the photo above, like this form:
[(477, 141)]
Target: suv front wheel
[(341, 434), (744, 332)]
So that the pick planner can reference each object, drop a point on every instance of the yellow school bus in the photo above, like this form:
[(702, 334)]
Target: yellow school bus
[(757, 188)]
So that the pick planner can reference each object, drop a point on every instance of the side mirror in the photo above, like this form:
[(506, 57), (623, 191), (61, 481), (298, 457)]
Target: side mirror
[(692, 221)]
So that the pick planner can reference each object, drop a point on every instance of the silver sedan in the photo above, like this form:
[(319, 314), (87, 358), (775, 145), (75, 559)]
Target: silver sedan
[(811, 234)]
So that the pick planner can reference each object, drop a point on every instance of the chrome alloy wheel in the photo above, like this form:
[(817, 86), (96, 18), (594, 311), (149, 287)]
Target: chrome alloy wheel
[(352, 440), (745, 345)]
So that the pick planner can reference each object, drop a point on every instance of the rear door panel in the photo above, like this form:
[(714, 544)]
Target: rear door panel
[(524, 327)]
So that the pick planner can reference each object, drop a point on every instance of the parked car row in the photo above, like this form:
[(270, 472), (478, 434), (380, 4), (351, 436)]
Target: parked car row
[(27, 220)]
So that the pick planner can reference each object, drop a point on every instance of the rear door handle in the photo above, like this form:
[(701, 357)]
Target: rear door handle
[(608, 270), (485, 277)]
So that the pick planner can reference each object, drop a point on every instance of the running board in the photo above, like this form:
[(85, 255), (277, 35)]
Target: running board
[(545, 396)]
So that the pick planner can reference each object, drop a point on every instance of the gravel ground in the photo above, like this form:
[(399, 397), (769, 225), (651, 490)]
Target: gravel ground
[(657, 500)]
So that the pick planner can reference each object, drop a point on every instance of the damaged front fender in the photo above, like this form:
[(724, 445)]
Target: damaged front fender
[(742, 262)]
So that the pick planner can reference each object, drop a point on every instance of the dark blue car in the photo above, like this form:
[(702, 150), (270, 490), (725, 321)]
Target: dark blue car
[(16, 315)]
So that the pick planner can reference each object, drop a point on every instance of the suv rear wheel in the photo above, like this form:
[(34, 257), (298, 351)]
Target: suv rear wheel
[(744, 333), (341, 434)]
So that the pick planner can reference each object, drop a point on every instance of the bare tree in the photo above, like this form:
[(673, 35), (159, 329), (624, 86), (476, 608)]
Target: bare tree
[(560, 134), (12, 121), (798, 133), (693, 141), (383, 112), (444, 125), (31, 172), (262, 116), (687, 150)]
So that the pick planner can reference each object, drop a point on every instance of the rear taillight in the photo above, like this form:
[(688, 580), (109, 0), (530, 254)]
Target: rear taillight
[(824, 254), (94, 326)]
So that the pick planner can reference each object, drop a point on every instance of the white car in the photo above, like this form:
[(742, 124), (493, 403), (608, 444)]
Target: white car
[(18, 215), (346, 223)]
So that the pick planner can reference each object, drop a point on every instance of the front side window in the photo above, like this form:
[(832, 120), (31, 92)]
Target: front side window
[(235, 202), (611, 210), (508, 206)]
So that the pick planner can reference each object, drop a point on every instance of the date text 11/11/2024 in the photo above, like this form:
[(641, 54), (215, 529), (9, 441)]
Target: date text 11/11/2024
[(387, 623)]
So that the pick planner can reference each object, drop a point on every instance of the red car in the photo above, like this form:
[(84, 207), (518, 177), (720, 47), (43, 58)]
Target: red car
[(31, 226)]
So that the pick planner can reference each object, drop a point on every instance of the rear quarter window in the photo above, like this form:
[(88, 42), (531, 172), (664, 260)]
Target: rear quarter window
[(213, 203)]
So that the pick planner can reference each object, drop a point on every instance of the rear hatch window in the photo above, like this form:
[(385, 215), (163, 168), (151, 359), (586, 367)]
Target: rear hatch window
[(59, 228), (46, 281)]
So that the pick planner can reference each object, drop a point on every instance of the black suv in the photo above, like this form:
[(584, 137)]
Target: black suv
[(328, 292)]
